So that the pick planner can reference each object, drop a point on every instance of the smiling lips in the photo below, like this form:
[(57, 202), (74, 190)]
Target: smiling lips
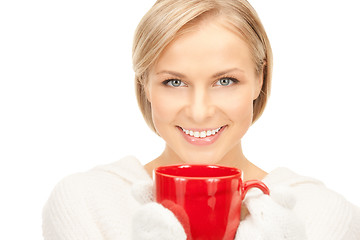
[(203, 137), (201, 134)]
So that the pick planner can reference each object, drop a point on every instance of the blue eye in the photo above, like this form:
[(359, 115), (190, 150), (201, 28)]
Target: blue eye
[(174, 83), (226, 81)]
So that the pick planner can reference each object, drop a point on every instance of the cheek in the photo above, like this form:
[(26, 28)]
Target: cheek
[(238, 107), (164, 107), (243, 110)]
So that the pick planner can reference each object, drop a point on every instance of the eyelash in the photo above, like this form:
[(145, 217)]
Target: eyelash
[(234, 81), (166, 82)]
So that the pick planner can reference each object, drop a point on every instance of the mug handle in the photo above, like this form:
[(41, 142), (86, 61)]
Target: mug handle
[(252, 184)]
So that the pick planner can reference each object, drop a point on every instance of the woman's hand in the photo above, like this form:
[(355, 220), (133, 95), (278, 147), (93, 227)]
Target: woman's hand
[(271, 217), (152, 220)]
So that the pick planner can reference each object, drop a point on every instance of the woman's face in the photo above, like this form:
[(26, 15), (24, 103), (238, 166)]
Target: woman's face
[(201, 91)]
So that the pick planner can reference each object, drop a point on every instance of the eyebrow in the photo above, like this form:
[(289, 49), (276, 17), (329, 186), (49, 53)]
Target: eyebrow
[(179, 75), (227, 71), (218, 74)]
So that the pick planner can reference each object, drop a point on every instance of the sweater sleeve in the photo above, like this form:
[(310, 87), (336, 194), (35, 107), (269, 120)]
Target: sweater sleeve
[(354, 226), (326, 214), (66, 215), (96, 204)]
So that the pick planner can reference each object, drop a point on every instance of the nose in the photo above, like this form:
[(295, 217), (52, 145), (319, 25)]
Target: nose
[(200, 106)]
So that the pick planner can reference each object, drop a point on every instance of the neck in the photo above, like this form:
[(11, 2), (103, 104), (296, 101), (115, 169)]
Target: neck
[(235, 158)]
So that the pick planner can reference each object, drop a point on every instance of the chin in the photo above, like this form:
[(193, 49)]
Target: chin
[(207, 158)]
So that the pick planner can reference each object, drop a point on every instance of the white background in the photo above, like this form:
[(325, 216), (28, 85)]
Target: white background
[(67, 99)]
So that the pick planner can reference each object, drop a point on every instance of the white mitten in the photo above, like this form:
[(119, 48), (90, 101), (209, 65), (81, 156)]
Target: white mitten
[(152, 220), (271, 217)]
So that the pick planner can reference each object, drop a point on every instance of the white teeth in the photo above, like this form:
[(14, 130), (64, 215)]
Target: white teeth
[(201, 134)]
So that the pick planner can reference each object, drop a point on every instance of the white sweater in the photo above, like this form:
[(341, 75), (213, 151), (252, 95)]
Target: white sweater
[(99, 205)]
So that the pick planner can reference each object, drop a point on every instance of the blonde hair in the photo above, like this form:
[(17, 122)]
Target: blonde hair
[(163, 22)]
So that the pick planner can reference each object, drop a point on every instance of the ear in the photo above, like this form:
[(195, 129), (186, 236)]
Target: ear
[(258, 85), (146, 89)]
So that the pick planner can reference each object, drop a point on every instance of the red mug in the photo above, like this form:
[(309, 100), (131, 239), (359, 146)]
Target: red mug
[(206, 199)]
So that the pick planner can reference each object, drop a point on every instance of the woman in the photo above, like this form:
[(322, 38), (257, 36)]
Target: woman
[(203, 73)]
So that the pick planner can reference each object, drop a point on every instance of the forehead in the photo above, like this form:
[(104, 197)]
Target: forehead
[(209, 43)]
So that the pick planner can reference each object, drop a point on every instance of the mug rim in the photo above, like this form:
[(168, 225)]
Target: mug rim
[(237, 172)]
